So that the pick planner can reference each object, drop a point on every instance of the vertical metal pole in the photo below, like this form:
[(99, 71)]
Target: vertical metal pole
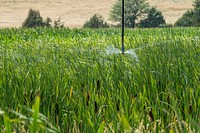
[(122, 26)]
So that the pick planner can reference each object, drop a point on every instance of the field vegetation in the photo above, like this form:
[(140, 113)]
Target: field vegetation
[(62, 80)]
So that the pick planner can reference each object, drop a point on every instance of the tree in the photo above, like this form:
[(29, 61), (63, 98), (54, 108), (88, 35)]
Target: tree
[(134, 9), (187, 20), (33, 20), (96, 21), (197, 12), (154, 19), (191, 17)]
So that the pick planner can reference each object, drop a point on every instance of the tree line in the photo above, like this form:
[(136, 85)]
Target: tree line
[(138, 13)]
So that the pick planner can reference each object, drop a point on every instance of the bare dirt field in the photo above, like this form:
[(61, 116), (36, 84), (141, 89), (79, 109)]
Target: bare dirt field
[(75, 12)]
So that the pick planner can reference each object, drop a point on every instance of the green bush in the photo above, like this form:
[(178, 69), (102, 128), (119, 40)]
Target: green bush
[(96, 21), (154, 19), (58, 23), (48, 22), (191, 17), (197, 12), (33, 20), (187, 20)]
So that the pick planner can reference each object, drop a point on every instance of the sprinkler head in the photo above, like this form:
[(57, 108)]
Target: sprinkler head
[(122, 50)]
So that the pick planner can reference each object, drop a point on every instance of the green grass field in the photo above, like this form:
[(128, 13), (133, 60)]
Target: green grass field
[(63, 80)]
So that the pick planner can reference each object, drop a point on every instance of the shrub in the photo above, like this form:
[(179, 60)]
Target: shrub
[(96, 21), (33, 20), (58, 23), (48, 22), (188, 19), (154, 19), (197, 12), (191, 17)]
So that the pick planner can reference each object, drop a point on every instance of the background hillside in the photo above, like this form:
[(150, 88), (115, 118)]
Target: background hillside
[(75, 12)]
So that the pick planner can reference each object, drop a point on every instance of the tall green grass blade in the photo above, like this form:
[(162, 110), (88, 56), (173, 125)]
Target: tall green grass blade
[(8, 125), (36, 109)]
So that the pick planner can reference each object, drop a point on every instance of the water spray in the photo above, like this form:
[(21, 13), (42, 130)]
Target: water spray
[(123, 27), (112, 50)]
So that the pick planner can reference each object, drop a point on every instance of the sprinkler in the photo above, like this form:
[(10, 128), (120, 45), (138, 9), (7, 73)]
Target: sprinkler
[(112, 50), (123, 27)]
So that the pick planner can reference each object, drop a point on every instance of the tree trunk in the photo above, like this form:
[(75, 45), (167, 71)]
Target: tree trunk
[(133, 23)]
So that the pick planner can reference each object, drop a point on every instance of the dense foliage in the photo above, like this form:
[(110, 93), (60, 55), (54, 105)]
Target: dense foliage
[(69, 81), (197, 12), (34, 20), (154, 19), (134, 9), (186, 20), (97, 21), (191, 17)]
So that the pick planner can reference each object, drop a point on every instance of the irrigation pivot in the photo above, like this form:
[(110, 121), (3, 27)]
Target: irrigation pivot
[(122, 26)]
